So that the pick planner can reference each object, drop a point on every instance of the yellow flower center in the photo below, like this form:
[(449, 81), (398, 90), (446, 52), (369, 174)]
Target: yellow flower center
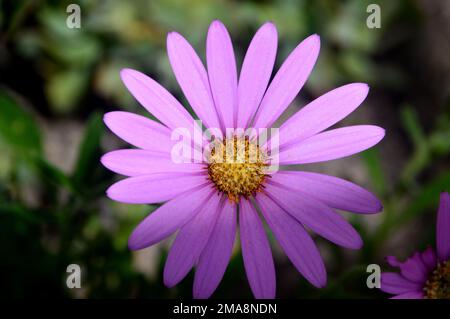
[(438, 284), (237, 167)]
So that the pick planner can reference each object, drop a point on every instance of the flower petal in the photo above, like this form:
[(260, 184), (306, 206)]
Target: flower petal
[(255, 72), (429, 259), (295, 241), (216, 254), (156, 99), (410, 295), (394, 283), (288, 81), (139, 131), (190, 242), (132, 162), (256, 252), (414, 269), (168, 218), (154, 188), (443, 228), (192, 78), (315, 215), (393, 261), (322, 113), (222, 73), (332, 144), (332, 191)]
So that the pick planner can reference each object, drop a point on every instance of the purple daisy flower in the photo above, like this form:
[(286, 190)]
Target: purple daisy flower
[(427, 274), (203, 198)]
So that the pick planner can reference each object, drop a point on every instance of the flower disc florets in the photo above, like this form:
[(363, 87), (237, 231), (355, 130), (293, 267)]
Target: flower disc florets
[(438, 284), (237, 166)]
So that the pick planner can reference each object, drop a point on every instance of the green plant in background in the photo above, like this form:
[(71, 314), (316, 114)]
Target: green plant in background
[(51, 217)]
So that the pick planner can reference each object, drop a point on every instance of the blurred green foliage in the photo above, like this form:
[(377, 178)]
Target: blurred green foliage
[(51, 217)]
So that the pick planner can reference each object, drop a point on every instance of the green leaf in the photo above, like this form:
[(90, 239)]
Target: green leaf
[(18, 131), (21, 214), (412, 126), (64, 89), (427, 198), (54, 175), (421, 156), (89, 152), (372, 161)]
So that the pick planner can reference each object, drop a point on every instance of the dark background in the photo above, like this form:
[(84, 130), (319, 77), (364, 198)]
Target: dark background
[(56, 83)]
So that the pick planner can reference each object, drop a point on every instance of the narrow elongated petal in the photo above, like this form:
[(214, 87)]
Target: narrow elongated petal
[(332, 144), (168, 218), (315, 215), (288, 81), (222, 73), (190, 242), (443, 228), (295, 241), (410, 295), (216, 254), (322, 113), (256, 252), (156, 99), (193, 79), (332, 191), (394, 283), (154, 188), (139, 131), (255, 73), (134, 162)]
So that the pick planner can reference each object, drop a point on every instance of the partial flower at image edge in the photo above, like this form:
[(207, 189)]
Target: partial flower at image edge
[(425, 275)]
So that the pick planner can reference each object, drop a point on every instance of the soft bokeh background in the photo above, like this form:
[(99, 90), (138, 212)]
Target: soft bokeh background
[(56, 83)]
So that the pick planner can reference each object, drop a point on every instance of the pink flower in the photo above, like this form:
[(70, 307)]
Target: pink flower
[(426, 274), (203, 199)]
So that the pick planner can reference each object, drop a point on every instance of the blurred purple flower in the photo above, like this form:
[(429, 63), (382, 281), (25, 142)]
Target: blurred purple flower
[(426, 274), (288, 200)]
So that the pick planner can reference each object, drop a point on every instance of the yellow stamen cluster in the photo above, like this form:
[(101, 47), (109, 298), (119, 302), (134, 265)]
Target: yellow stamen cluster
[(438, 284), (237, 167)]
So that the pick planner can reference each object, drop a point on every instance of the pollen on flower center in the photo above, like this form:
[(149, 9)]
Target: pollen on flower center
[(438, 284), (237, 167)]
